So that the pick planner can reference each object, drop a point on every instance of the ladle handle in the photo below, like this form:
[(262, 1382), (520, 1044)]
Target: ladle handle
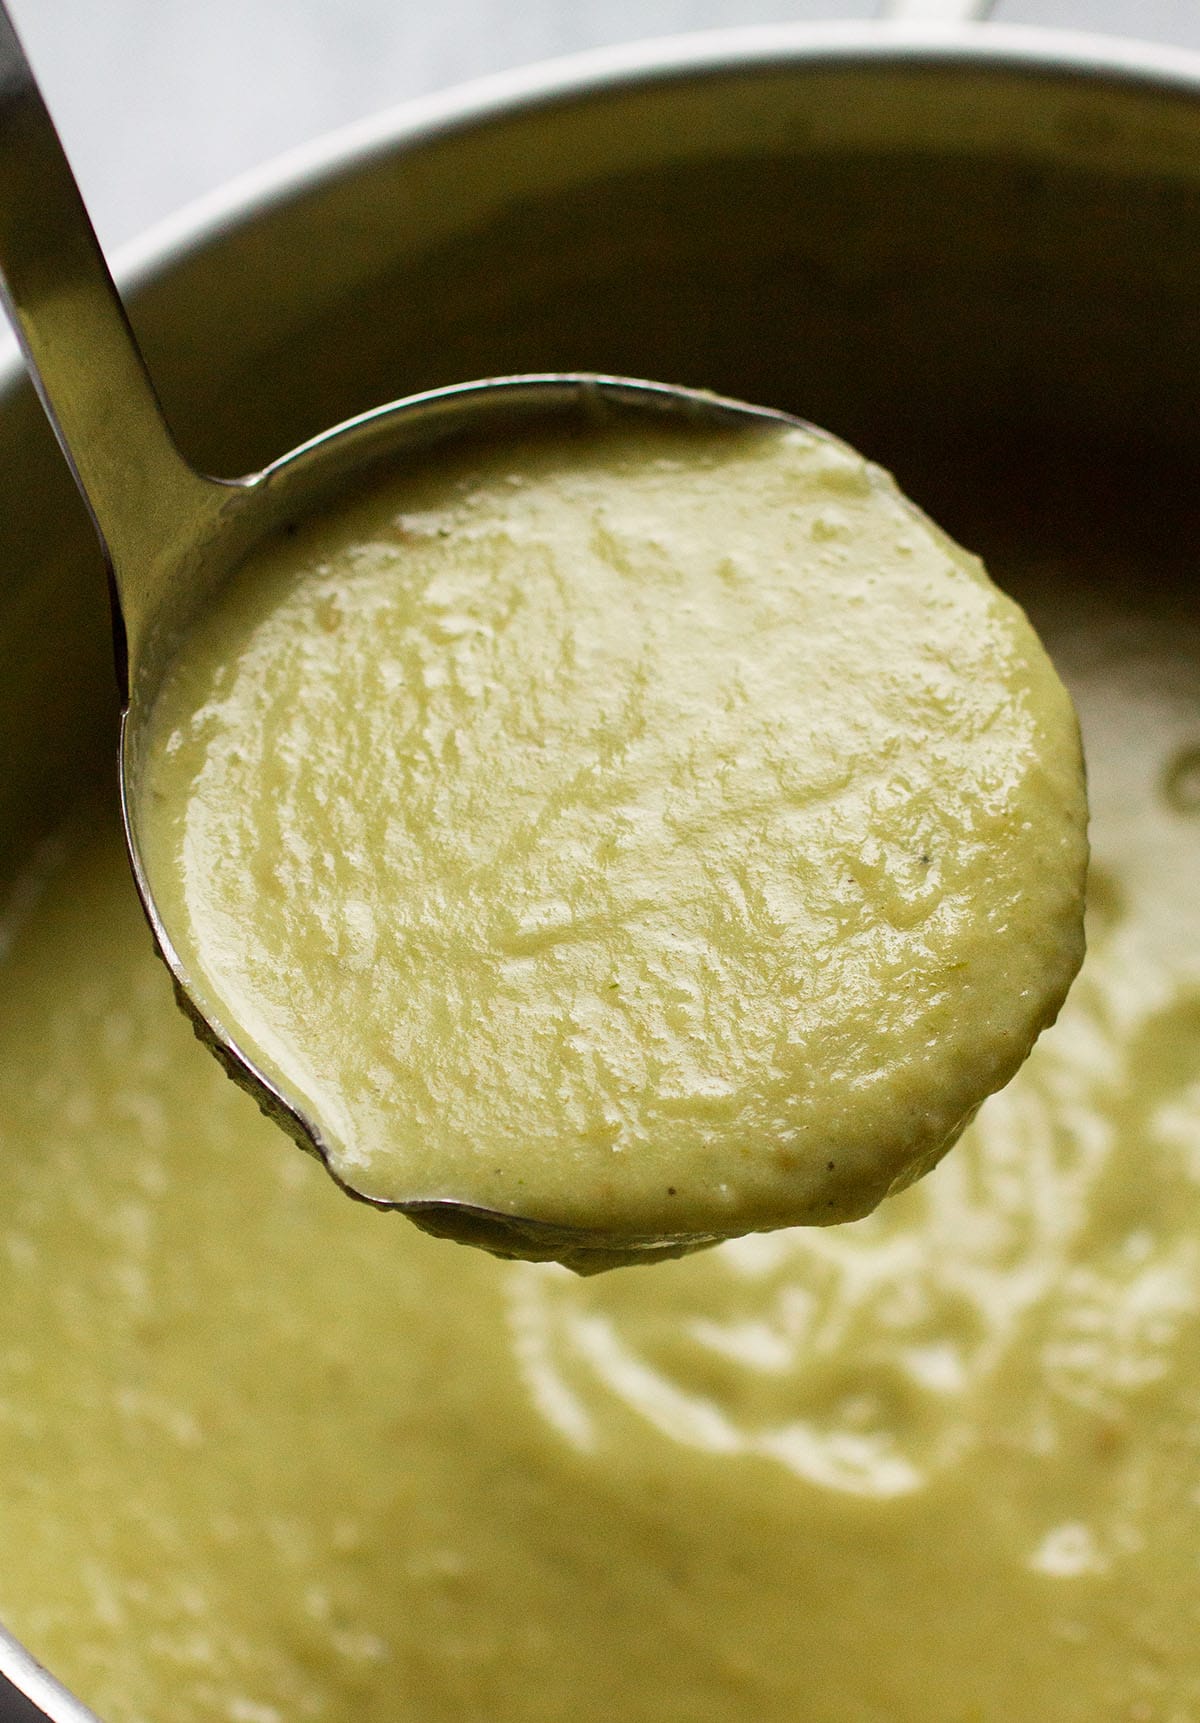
[(83, 356)]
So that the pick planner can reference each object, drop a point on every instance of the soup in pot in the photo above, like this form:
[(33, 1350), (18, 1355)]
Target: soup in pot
[(270, 1455)]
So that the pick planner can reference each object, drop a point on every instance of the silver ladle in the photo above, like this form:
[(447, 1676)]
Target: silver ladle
[(171, 535)]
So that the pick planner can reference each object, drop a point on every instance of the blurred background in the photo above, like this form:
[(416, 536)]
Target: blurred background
[(159, 101)]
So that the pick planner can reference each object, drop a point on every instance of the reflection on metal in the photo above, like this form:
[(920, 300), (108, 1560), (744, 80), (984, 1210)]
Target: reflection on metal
[(934, 11)]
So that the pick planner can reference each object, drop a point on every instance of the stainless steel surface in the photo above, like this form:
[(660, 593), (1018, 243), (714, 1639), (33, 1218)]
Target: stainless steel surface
[(934, 11), (930, 241), (163, 100), (147, 504)]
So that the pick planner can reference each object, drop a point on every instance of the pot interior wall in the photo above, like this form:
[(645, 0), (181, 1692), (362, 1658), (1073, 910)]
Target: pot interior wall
[(1000, 308)]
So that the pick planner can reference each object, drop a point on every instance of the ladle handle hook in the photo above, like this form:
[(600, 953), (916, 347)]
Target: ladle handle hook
[(82, 353)]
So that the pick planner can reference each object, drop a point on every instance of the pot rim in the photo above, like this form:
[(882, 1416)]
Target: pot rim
[(660, 60), (1091, 58)]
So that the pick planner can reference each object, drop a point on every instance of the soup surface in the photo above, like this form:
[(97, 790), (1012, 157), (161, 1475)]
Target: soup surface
[(665, 831), (269, 1455)]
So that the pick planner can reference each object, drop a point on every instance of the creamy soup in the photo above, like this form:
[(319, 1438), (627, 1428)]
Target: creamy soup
[(661, 831), (269, 1455)]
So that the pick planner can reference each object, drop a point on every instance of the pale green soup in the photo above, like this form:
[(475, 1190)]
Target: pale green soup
[(659, 831), (269, 1456)]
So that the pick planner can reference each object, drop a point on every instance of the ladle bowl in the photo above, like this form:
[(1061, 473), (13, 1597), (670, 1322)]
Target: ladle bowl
[(171, 536)]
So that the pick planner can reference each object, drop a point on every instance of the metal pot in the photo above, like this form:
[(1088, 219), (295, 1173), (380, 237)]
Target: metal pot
[(974, 253)]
